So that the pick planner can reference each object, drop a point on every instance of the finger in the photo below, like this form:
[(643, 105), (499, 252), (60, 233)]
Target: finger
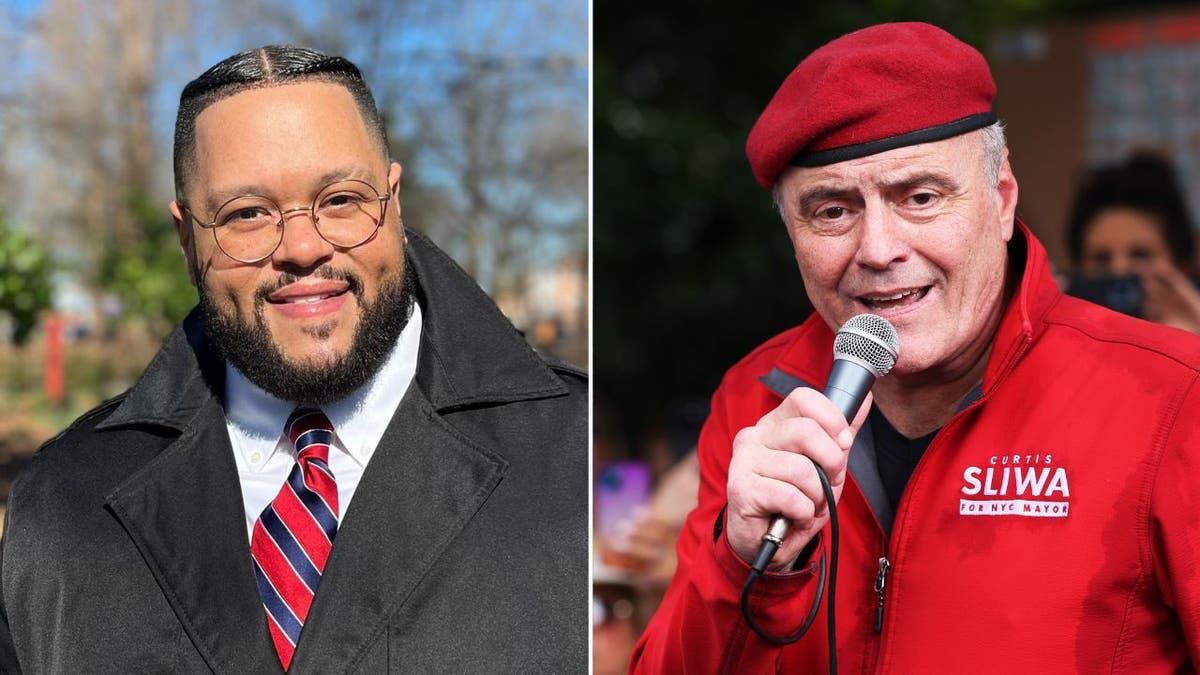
[(1154, 283), (642, 549), (756, 477), (774, 497), (653, 532), (805, 435), (807, 402), (1163, 275), (860, 417), (802, 436)]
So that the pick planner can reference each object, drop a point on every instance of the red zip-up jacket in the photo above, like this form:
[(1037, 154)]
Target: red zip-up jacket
[(1052, 525)]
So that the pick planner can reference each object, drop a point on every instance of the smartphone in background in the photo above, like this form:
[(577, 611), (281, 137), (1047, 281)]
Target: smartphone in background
[(1121, 293), (621, 488)]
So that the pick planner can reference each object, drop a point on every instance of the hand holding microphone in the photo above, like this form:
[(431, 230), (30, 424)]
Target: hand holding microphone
[(772, 479)]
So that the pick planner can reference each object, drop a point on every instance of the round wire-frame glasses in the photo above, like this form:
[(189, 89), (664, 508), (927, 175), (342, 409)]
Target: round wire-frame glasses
[(249, 228)]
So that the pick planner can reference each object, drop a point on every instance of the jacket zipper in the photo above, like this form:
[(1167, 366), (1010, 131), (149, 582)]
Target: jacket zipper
[(880, 582), (884, 564)]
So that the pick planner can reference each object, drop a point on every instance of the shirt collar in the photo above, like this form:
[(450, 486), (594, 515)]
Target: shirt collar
[(359, 420)]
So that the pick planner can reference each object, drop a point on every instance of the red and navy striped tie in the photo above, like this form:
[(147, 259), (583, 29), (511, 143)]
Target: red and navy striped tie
[(294, 534)]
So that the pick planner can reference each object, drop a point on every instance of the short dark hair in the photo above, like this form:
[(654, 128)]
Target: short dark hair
[(264, 67), (1144, 182)]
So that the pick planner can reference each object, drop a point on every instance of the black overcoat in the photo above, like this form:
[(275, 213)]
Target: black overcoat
[(464, 550)]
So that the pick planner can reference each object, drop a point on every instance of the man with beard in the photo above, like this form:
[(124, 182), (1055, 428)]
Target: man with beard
[(345, 460)]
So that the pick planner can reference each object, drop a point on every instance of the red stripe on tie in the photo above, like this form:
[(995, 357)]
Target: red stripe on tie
[(309, 535), (284, 648), (306, 530), (322, 484), (280, 573)]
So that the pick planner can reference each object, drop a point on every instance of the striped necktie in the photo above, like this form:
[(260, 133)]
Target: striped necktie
[(294, 534)]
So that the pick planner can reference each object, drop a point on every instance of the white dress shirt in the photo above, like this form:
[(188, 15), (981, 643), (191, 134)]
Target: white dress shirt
[(265, 456)]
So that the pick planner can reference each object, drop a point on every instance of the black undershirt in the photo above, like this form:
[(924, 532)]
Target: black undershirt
[(895, 455)]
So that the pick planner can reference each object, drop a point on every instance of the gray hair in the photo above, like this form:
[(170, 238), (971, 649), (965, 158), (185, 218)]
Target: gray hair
[(994, 143)]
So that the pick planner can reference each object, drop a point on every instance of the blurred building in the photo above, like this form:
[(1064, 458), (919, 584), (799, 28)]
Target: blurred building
[(552, 308), (1085, 92)]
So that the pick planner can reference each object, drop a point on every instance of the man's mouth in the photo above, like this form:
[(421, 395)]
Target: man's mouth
[(307, 293), (309, 299), (304, 300), (893, 300)]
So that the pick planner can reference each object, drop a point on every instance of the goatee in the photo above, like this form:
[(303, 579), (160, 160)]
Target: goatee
[(249, 347)]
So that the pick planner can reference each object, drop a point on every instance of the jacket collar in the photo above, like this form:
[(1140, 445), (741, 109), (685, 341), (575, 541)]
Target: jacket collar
[(470, 354), (179, 381), (809, 355)]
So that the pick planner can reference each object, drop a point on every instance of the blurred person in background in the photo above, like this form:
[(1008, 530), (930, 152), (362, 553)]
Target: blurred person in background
[(641, 538), (646, 538), (1132, 244), (641, 504), (616, 619), (344, 460)]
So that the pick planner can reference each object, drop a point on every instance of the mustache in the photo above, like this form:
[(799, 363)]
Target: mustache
[(266, 288)]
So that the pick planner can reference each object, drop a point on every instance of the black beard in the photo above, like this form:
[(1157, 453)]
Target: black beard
[(250, 348)]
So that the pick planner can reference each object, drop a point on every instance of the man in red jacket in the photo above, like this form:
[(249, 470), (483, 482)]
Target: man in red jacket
[(1018, 495)]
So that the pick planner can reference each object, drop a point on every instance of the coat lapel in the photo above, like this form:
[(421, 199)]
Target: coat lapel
[(184, 512), (423, 485)]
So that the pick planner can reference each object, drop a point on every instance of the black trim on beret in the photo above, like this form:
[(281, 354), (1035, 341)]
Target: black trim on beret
[(927, 135)]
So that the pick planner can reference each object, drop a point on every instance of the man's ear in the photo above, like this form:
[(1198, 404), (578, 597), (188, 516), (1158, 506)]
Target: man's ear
[(183, 230), (1006, 190), (394, 172)]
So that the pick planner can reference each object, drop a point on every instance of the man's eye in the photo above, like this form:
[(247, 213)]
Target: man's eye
[(922, 199), (248, 214), (245, 215), (832, 212)]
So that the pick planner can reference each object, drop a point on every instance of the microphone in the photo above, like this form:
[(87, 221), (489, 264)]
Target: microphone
[(864, 349)]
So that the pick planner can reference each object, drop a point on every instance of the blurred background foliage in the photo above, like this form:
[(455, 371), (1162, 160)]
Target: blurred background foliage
[(146, 278), (692, 266), (25, 286), (486, 103)]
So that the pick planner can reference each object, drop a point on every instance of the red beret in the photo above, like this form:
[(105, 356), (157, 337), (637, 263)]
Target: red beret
[(876, 89)]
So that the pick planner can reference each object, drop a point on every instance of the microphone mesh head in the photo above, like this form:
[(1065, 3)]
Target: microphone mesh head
[(870, 340)]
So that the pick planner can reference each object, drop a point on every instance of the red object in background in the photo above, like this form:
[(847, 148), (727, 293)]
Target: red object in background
[(1119, 36), (1179, 30), (53, 373)]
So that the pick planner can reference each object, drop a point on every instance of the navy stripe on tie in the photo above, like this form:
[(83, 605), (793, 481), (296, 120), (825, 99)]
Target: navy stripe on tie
[(276, 607), (313, 437), (316, 506), (299, 414), (290, 548), (320, 464)]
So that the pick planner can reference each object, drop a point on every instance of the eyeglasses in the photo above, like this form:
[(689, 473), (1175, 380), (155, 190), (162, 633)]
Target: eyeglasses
[(249, 228)]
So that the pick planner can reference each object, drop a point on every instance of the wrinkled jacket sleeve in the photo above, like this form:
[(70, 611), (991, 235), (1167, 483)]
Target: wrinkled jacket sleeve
[(1173, 535), (699, 628)]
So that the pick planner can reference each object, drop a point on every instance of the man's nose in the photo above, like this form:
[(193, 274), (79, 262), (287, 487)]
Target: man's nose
[(302, 245), (883, 239)]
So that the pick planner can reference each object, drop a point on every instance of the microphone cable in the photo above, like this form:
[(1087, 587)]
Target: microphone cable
[(766, 550), (865, 348)]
